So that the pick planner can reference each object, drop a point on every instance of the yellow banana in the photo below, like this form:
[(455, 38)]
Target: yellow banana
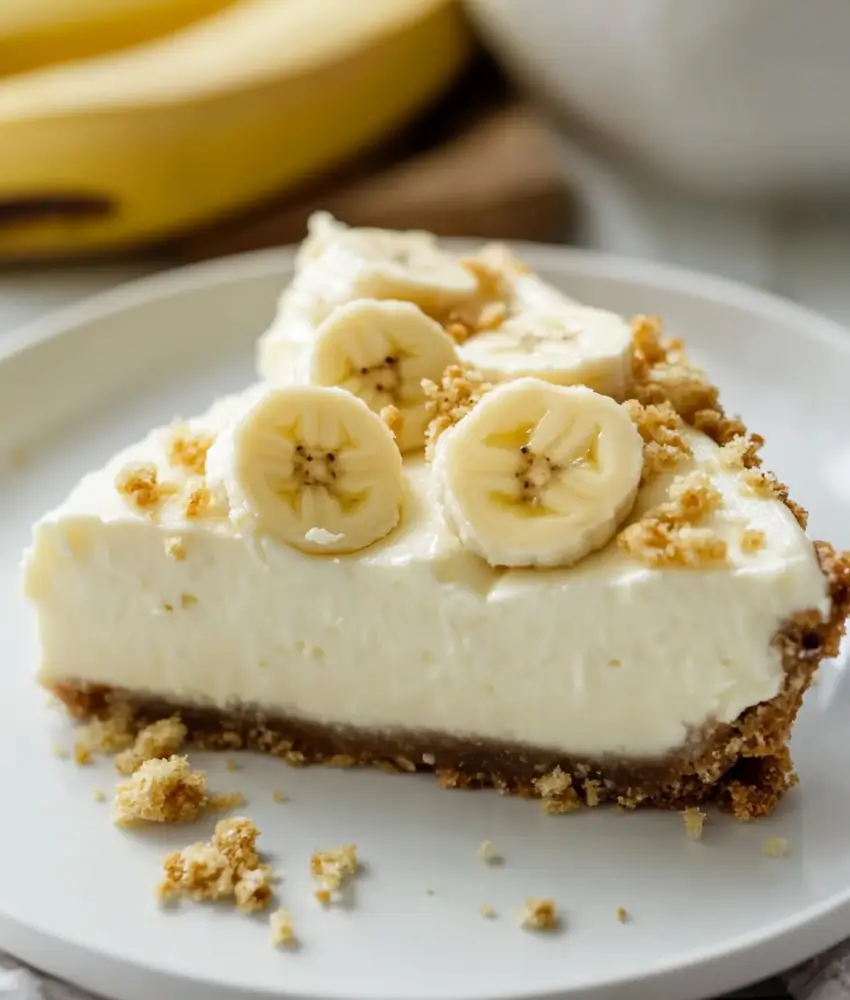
[(35, 33), (136, 145)]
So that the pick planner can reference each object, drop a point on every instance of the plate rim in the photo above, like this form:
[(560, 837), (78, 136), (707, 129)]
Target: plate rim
[(793, 936), (263, 263)]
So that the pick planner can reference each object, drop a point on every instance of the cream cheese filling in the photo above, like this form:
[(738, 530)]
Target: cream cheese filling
[(414, 633)]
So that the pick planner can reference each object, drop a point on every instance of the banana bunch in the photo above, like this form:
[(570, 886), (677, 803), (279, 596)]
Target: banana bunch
[(138, 119), (35, 33)]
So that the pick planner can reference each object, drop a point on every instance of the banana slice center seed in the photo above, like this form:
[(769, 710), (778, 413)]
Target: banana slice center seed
[(314, 467), (534, 472), (384, 378)]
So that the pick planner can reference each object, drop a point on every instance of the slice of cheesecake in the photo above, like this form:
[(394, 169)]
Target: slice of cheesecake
[(664, 666), (508, 578)]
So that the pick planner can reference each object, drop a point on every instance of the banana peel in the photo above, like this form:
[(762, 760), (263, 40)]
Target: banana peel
[(134, 146), (35, 33)]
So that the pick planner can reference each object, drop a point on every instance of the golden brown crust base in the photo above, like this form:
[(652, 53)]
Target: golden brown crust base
[(744, 766)]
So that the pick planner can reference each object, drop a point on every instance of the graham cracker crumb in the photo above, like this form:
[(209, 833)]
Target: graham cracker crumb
[(591, 792), (332, 869), (228, 867), (82, 754), (60, 752), (623, 915), (278, 796), (159, 739), (557, 792), (775, 847), (232, 764), (694, 820), (539, 915), (762, 484), (661, 429), (488, 854), (489, 309), (99, 795), (346, 760), (140, 484), (253, 890), (662, 373), (225, 800), (200, 503), (740, 452), (188, 601), (752, 540), (393, 418), (466, 322), (189, 451), (668, 535), (161, 791), (487, 911), (460, 388), (283, 930), (176, 549)]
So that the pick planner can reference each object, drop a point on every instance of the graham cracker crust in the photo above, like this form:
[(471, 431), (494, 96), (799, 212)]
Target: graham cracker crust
[(743, 766)]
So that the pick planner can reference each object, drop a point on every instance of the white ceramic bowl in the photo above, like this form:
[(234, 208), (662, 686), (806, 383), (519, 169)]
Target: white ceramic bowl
[(722, 97)]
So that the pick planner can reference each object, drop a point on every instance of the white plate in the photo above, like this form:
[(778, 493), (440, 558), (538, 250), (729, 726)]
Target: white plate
[(76, 896)]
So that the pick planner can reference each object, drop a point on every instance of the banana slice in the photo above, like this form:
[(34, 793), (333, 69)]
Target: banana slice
[(538, 474), (381, 351), (338, 264), (558, 341), (312, 467)]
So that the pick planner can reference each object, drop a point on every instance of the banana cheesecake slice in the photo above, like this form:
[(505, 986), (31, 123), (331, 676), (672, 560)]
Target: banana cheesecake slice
[(466, 525), (565, 597)]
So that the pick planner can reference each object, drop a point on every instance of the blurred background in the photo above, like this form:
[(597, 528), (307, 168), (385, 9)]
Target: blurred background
[(139, 134)]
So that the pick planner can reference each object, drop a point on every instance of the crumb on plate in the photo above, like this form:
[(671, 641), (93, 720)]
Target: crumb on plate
[(161, 791), (283, 929), (556, 792), (488, 854), (160, 739), (775, 847), (694, 820), (332, 870), (227, 867), (539, 915)]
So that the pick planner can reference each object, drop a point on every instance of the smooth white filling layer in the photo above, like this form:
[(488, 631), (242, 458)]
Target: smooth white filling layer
[(608, 656)]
